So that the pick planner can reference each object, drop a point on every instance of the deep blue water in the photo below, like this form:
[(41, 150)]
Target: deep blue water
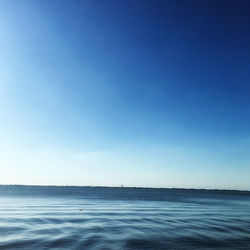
[(40, 217)]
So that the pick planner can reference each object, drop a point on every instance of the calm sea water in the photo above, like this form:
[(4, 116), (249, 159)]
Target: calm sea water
[(36, 217)]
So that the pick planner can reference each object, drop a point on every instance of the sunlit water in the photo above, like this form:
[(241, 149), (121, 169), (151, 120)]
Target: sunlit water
[(122, 218)]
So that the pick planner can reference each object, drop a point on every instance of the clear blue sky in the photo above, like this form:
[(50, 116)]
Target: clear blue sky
[(139, 93)]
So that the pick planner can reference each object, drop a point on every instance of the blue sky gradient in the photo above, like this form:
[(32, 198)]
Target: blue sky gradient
[(139, 93)]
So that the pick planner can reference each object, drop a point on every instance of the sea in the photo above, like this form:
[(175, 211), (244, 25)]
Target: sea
[(107, 218)]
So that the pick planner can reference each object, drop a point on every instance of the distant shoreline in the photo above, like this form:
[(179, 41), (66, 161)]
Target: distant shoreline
[(130, 187)]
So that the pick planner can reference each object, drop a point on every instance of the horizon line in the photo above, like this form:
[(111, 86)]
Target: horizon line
[(122, 186)]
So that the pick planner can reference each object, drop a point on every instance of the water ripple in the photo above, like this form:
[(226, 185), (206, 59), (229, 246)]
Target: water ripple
[(71, 222)]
